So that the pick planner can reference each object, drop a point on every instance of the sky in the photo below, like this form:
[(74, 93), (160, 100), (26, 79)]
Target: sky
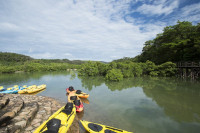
[(99, 30)]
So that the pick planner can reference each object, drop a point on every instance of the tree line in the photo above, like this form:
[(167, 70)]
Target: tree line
[(116, 71), (180, 42), (12, 62)]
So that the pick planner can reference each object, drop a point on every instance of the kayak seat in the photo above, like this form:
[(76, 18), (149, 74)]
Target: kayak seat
[(95, 127), (109, 131), (71, 88), (73, 97), (78, 92), (68, 108), (77, 102), (53, 126)]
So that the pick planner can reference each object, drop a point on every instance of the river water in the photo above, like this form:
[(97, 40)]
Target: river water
[(140, 105)]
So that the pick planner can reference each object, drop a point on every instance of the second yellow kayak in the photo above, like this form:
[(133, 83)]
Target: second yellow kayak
[(99, 128), (32, 89)]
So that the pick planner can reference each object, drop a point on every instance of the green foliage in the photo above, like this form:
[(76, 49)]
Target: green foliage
[(126, 69), (167, 69), (153, 73), (12, 62), (13, 57), (114, 75), (112, 65), (180, 42), (89, 69), (102, 68), (116, 71), (7, 69), (124, 60), (149, 67)]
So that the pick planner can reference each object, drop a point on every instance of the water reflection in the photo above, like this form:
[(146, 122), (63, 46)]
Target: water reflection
[(85, 100), (125, 84), (91, 82), (144, 104), (178, 100), (73, 75), (23, 78), (176, 97)]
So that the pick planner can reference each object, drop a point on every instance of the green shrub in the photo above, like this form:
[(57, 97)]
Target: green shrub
[(137, 69), (102, 68), (7, 69), (114, 75), (89, 69), (167, 69), (148, 67), (153, 73)]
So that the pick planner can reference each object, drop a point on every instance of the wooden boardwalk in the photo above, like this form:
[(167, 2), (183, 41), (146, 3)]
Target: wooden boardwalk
[(188, 70)]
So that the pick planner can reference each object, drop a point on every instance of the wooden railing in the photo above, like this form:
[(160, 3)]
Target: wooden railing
[(188, 64)]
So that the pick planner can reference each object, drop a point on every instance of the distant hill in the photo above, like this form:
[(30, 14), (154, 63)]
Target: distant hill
[(76, 62), (125, 59), (13, 57)]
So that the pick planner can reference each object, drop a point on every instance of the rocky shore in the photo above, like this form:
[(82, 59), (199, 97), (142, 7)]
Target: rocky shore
[(24, 113)]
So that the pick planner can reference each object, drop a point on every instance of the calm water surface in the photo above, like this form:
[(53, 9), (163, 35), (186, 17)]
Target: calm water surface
[(140, 105)]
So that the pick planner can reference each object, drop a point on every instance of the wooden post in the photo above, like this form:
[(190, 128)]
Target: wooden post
[(188, 70)]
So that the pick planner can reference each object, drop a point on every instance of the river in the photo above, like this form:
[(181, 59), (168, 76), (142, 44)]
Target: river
[(140, 105)]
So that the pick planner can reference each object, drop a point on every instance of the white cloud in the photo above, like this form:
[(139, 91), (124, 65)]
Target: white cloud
[(45, 55), (89, 29), (6, 26), (190, 13), (158, 8)]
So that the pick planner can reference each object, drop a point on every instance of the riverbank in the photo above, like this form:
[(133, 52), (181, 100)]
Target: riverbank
[(24, 113)]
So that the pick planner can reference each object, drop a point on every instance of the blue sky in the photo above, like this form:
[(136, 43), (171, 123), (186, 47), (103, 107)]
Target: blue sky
[(101, 30)]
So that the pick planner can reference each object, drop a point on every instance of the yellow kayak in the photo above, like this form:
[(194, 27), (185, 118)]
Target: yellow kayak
[(98, 128), (32, 89), (15, 87), (2, 88), (38, 88), (24, 91), (60, 121), (82, 94)]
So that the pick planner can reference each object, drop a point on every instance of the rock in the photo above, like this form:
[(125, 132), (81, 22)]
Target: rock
[(24, 113), (4, 102), (29, 128), (21, 123), (35, 121)]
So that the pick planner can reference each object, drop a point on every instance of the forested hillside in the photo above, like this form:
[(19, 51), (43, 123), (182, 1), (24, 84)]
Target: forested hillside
[(12, 62), (12, 58), (7, 58), (180, 42)]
